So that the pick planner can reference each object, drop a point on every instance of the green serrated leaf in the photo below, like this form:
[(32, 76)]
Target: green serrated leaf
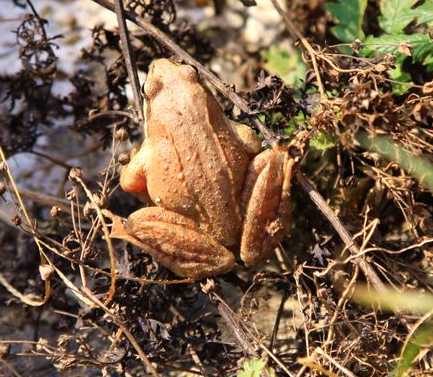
[(397, 14), (255, 368), (349, 14), (421, 45), (424, 13), (285, 64)]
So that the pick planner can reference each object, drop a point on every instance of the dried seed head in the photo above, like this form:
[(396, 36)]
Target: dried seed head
[(16, 220), (124, 158), (208, 286), (4, 350)]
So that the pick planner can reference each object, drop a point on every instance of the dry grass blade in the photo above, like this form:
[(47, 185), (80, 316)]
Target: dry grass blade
[(129, 57), (296, 34), (341, 230), (111, 252)]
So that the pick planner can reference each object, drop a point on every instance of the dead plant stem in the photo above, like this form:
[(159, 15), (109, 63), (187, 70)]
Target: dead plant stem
[(346, 237), (128, 55)]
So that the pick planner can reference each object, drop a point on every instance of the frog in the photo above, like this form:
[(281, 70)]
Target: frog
[(216, 196)]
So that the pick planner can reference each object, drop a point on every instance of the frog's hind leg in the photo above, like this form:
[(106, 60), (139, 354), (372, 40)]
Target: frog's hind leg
[(176, 242), (266, 204)]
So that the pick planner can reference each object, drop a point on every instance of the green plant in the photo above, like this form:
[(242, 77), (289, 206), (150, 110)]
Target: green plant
[(395, 18), (255, 368), (288, 65), (421, 335)]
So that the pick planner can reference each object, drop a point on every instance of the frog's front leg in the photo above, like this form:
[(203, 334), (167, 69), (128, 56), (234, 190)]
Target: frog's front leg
[(266, 204), (133, 176), (176, 242)]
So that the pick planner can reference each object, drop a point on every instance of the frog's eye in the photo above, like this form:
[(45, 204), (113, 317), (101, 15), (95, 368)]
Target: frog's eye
[(189, 73), (152, 88)]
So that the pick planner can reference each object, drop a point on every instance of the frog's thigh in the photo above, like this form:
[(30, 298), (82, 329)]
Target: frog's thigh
[(265, 188), (176, 242)]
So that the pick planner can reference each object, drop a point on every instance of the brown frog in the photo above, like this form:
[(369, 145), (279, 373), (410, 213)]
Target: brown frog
[(212, 189)]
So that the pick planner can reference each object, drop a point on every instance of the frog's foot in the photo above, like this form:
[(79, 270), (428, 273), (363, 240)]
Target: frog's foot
[(266, 204), (174, 241)]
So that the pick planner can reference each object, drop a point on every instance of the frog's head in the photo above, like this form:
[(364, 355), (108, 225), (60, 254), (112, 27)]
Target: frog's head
[(166, 73)]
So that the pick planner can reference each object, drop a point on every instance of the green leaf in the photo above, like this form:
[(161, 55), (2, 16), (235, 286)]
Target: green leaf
[(421, 338), (392, 300), (349, 15), (286, 64), (417, 166), (255, 368), (411, 302), (421, 45), (397, 14), (322, 142), (404, 80)]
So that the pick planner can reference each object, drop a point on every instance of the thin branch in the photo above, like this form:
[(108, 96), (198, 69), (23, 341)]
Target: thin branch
[(345, 236), (125, 330), (111, 253), (128, 55)]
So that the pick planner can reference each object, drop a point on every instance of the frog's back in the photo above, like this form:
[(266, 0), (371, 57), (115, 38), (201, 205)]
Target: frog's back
[(198, 162)]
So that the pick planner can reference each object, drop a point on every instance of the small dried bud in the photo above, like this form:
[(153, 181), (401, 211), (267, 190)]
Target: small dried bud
[(427, 88), (121, 134), (123, 158), (16, 220), (356, 45), (75, 173), (208, 286), (42, 344), (405, 49), (2, 167), (55, 211)]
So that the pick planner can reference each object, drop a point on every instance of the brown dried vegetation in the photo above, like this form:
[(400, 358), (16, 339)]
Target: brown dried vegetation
[(99, 306)]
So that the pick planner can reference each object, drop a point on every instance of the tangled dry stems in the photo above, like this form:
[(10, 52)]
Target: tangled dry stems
[(131, 315)]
